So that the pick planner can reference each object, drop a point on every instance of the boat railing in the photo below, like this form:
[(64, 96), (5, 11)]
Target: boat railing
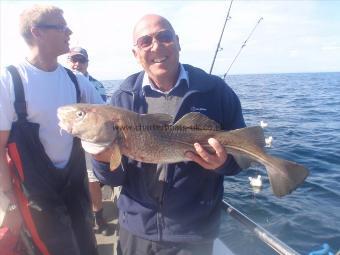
[(274, 243)]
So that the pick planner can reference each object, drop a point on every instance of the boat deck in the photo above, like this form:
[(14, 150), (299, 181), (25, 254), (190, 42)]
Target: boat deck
[(107, 244)]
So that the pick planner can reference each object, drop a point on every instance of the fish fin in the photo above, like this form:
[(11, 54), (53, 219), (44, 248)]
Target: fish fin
[(157, 119), (197, 120), (285, 176), (116, 157), (243, 162)]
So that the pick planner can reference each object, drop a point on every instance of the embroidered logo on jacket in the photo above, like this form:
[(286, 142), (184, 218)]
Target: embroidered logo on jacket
[(197, 109)]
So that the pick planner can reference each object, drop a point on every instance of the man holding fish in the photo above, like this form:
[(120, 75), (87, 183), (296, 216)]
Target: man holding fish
[(171, 208), (166, 138)]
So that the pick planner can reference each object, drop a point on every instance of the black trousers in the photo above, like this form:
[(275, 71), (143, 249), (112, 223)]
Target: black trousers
[(130, 244)]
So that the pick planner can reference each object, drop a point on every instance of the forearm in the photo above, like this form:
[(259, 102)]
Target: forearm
[(101, 157), (102, 171), (13, 218), (230, 167), (5, 180)]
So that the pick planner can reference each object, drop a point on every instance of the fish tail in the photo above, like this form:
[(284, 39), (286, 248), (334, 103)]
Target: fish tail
[(284, 175), (247, 145)]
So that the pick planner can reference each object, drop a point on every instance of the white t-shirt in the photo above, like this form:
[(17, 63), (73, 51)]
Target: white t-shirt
[(45, 92)]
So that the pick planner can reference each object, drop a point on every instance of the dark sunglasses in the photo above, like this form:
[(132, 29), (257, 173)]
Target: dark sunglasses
[(61, 28), (79, 59), (146, 41)]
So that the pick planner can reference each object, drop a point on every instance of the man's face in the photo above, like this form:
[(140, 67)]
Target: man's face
[(78, 63), (157, 53), (54, 35)]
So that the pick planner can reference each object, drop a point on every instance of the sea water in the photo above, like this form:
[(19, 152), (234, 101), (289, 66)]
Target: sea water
[(303, 115)]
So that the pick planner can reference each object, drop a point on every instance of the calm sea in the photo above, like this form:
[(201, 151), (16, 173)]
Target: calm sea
[(303, 115)]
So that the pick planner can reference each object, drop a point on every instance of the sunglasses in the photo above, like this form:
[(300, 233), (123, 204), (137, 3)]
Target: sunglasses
[(79, 59), (146, 41), (61, 28)]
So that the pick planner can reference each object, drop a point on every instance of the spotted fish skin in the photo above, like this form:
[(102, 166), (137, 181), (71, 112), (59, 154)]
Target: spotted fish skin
[(153, 138)]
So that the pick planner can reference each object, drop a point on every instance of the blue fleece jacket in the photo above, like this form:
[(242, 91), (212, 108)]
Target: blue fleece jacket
[(190, 208)]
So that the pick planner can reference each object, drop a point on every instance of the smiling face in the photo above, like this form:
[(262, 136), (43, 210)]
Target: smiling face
[(160, 59)]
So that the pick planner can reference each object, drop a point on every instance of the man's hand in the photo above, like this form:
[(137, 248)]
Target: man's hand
[(105, 155), (93, 148), (208, 160)]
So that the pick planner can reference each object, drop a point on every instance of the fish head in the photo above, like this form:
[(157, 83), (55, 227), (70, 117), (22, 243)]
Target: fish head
[(89, 122)]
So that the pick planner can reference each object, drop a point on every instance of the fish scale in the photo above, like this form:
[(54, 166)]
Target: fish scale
[(152, 138)]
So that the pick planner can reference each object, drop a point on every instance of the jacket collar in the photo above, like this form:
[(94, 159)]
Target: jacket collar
[(200, 81), (182, 76)]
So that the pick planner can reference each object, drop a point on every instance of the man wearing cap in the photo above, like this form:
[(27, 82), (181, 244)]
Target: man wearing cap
[(78, 62)]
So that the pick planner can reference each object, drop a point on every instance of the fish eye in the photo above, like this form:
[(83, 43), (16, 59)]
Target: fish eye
[(80, 114)]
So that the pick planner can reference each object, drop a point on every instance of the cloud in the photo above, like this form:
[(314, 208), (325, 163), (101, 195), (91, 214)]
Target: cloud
[(303, 30), (331, 47), (293, 53)]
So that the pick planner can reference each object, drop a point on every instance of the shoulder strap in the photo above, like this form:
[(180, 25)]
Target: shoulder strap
[(75, 82), (20, 102)]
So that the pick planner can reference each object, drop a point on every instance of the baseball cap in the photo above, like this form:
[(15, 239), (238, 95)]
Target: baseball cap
[(78, 51)]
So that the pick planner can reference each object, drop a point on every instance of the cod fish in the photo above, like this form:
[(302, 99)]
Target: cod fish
[(152, 138)]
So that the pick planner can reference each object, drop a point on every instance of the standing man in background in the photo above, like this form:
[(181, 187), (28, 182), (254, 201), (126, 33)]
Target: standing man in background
[(79, 61), (51, 184)]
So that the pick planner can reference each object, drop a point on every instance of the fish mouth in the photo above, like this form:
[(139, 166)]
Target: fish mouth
[(65, 127), (63, 114)]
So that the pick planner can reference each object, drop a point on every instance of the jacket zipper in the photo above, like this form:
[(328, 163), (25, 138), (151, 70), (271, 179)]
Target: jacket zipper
[(160, 216)]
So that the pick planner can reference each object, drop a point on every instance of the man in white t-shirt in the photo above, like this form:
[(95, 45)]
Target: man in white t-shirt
[(48, 166)]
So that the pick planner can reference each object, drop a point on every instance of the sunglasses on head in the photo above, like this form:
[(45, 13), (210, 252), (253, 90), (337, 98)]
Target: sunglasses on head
[(79, 59), (146, 41)]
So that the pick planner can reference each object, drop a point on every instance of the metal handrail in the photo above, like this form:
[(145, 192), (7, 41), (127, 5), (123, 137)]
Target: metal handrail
[(270, 240)]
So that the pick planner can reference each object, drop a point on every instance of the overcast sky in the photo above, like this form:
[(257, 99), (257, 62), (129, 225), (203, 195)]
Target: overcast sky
[(294, 36)]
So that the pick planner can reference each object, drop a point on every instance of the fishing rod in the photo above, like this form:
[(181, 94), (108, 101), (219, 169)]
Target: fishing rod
[(270, 240), (218, 48), (243, 45)]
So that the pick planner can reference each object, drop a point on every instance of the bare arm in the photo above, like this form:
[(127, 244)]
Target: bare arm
[(13, 218), (5, 181)]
